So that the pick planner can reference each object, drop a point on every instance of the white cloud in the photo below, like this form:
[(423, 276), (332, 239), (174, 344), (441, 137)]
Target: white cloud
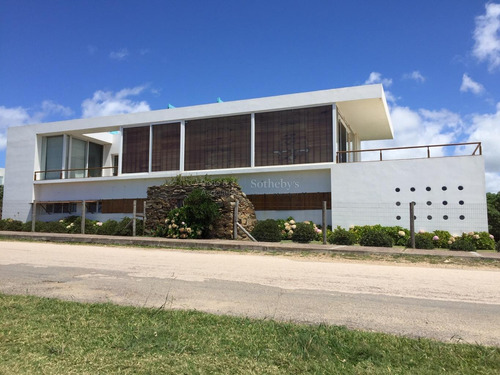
[(468, 84), (376, 77), (16, 116), (485, 128), (415, 75), (416, 128), (492, 182), (106, 103), (50, 107), (119, 55), (487, 36), (13, 117)]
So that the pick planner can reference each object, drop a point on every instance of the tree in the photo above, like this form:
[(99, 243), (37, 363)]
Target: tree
[(493, 202)]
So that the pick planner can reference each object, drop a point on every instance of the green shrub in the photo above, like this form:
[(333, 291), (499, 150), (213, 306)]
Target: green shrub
[(444, 239), (398, 234), (498, 246), (177, 226), (51, 227), (11, 225), (484, 241), (108, 227), (423, 241), (341, 236), (463, 243), (201, 211), (304, 233), (376, 237), (267, 230)]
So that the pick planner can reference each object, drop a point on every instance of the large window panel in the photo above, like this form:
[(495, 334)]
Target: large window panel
[(135, 150), (166, 147), (78, 158), (218, 143), (53, 156), (95, 159), (296, 136)]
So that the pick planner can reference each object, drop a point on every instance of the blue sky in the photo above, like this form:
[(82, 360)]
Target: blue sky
[(438, 60)]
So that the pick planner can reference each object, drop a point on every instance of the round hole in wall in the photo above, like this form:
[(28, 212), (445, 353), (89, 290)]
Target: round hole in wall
[(398, 203), (428, 188), (445, 217), (460, 187), (445, 203), (444, 188), (462, 217), (429, 203), (461, 203), (398, 217), (398, 190), (429, 217), (412, 189)]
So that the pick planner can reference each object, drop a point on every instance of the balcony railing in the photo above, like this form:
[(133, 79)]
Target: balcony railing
[(59, 174), (348, 156)]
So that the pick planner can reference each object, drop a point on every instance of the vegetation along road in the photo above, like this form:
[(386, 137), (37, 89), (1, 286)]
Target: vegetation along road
[(444, 303)]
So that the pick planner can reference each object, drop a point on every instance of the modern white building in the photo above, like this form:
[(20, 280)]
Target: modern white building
[(289, 153)]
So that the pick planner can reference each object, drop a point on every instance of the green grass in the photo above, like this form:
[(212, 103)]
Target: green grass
[(39, 335)]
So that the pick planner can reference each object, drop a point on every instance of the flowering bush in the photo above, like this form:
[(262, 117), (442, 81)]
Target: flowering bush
[(176, 226), (465, 242)]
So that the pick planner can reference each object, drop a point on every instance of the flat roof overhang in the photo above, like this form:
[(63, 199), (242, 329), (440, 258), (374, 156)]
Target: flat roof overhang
[(363, 107)]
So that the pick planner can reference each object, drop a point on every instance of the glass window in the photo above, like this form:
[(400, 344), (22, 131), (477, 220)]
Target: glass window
[(135, 150), (294, 136), (166, 147), (78, 158), (95, 159), (53, 157), (218, 143)]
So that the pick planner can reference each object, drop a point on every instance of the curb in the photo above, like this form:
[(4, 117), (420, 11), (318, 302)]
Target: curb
[(235, 245)]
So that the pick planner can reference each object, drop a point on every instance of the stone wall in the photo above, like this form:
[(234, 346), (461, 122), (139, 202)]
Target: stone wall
[(162, 199)]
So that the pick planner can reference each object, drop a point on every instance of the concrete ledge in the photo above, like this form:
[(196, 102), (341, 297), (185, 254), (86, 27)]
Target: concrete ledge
[(234, 245)]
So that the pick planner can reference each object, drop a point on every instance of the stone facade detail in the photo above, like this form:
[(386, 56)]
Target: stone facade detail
[(162, 199)]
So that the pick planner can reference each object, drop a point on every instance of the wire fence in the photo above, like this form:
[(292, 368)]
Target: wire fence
[(455, 218)]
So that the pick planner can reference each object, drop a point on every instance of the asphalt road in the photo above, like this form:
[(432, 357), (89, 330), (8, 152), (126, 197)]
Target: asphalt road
[(448, 304)]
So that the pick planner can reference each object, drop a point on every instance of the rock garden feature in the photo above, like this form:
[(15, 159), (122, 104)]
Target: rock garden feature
[(182, 208)]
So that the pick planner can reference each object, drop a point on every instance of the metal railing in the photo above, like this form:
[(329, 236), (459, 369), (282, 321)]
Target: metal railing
[(60, 174), (344, 156)]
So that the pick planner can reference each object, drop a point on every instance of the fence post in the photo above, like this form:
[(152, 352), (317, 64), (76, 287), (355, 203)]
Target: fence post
[(324, 223), (33, 216), (134, 215), (144, 219), (84, 209), (412, 224), (235, 219)]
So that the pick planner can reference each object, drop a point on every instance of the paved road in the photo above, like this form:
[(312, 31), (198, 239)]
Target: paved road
[(447, 304)]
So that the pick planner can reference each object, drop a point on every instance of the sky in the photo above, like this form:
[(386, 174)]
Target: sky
[(439, 61)]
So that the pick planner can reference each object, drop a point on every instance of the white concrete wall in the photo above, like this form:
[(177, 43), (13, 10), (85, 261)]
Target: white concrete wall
[(366, 193), (19, 167)]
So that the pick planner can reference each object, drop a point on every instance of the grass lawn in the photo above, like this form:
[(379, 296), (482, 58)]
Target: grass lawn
[(39, 335)]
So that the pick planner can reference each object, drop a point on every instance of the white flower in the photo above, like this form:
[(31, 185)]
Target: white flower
[(292, 221), (294, 226), (99, 224), (401, 233)]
